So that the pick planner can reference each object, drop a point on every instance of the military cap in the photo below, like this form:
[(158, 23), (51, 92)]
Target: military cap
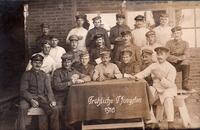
[(125, 33), (147, 51), (82, 16), (84, 54), (162, 48), (37, 57), (120, 16), (96, 18), (151, 32), (125, 51), (67, 56), (44, 25), (176, 28), (139, 18), (104, 51), (73, 37), (164, 15), (98, 36)]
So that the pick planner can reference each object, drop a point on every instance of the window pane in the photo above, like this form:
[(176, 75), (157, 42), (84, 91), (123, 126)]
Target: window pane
[(108, 20), (189, 36), (198, 37), (198, 17), (186, 18)]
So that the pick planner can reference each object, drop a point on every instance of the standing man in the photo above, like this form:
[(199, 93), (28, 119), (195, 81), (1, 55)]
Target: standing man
[(63, 78), (179, 55), (49, 64), (151, 43), (56, 51), (36, 91), (90, 43), (115, 32), (80, 31), (140, 31), (163, 31), (45, 29), (164, 88)]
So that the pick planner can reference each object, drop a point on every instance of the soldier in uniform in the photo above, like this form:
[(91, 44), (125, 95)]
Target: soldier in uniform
[(151, 43), (106, 70), (49, 65), (84, 66), (127, 43), (179, 55), (90, 43), (164, 88), (63, 78), (80, 31), (36, 91), (56, 51), (128, 67), (140, 31), (115, 32), (163, 31), (45, 29), (99, 46), (74, 41)]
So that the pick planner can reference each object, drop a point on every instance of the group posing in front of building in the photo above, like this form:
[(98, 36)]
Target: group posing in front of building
[(151, 54)]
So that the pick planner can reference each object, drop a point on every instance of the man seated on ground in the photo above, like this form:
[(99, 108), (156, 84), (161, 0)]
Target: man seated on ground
[(95, 52), (84, 66), (128, 67), (63, 78), (36, 91), (151, 43), (179, 56), (164, 88), (128, 43), (49, 64), (106, 70), (56, 51)]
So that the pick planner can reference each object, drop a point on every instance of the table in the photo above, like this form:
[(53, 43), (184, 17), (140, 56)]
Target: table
[(111, 99)]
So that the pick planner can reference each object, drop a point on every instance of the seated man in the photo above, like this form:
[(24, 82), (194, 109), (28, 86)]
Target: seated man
[(164, 88), (106, 70), (128, 67), (84, 66), (56, 51), (49, 64), (179, 56), (99, 46), (63, 78), (147, 61), (36, 91)]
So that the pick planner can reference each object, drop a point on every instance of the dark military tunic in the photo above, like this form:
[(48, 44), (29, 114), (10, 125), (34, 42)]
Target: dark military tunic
[(87, 70), (90, 41), (129, 68)]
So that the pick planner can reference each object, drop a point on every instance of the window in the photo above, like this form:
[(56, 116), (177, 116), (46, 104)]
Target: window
[(189, 19)]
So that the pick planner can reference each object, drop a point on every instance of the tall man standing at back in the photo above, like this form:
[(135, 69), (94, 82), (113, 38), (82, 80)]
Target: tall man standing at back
[(179, 55), (115, 32), (163, 31), (140, 31), (90, 42), (80, 31), (45, 29)]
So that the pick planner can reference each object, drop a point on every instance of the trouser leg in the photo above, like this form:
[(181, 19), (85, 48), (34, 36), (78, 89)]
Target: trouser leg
[(43, 122), (23, 117), (185, 76), (169, 109), (54, 119)]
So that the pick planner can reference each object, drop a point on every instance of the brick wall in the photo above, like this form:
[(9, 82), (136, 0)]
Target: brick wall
[(60, 15)]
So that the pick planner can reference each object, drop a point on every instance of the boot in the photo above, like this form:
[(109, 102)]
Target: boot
[(171, 126), (185, 77)]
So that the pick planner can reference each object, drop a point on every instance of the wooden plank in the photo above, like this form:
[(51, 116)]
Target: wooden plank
[(114, 126)]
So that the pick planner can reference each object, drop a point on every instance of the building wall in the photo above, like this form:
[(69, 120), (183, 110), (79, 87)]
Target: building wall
[(60, 16)]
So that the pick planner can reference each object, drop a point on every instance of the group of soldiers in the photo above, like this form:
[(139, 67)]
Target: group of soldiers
[(154, 54)]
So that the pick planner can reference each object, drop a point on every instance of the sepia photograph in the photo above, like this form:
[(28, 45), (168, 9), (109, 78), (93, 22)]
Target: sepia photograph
[(99, 65)]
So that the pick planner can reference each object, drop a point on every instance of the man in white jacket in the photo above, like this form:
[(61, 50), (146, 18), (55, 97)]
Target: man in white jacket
[(164, 88)]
